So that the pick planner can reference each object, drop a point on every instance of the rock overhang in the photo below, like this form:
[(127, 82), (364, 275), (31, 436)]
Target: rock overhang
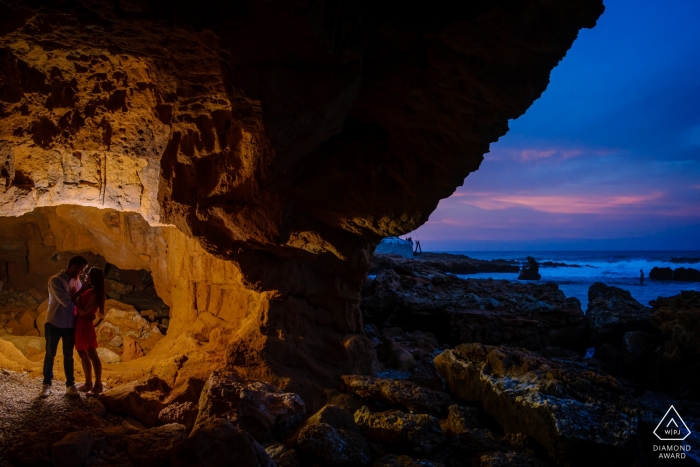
[(273, 142)]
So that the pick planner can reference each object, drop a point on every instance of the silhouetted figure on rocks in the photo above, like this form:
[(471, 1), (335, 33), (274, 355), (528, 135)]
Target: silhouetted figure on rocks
[(531, 271), (641, 277)]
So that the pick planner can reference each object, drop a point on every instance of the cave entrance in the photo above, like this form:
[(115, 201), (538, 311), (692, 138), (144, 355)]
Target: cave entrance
[(181, 306), (37, 245)]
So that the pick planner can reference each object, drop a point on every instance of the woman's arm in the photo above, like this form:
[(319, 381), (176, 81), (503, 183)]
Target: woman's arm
[(88, 307)]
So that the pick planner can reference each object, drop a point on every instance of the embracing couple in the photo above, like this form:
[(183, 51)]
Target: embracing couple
[(73, 306)]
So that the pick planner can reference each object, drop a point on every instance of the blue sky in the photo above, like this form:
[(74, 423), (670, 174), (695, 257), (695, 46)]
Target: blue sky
[(607, 158)]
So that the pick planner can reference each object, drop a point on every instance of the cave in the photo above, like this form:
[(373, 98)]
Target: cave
[(248, 157)]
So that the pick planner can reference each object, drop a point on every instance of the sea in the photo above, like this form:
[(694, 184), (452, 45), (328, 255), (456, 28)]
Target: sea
[(616, 268)]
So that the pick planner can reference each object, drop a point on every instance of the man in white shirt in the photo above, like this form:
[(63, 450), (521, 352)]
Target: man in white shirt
[(60, 322)]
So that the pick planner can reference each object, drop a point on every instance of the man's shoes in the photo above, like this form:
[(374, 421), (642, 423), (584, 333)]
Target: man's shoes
[(45, 390), (72, 391)]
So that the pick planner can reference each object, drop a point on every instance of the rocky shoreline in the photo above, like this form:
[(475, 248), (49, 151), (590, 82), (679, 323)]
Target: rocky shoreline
[(468, 372)]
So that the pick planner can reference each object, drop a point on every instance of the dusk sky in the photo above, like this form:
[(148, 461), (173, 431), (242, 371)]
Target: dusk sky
[(607, 158)]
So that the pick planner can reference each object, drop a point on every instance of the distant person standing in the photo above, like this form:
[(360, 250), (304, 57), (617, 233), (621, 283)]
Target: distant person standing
[(64, 290), (641, 277)]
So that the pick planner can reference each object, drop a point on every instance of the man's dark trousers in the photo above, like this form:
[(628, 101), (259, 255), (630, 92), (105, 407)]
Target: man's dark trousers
[(53, 334)]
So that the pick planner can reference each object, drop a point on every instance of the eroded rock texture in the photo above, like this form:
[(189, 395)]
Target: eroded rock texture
[(279, 141)]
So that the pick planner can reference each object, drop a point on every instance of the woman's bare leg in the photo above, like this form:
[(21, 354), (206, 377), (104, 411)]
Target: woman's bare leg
[(87, 369), (97, 364)]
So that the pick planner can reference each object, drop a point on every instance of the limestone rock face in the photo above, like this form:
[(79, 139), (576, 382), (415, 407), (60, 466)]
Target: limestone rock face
[(250, 155), (564, 408)]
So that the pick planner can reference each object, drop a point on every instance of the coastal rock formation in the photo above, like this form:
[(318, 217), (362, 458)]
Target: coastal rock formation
[(566, 409), (402, 393), (678, 274), (446, 263), (612, 312), (530, 271), (250, 155), (678, 320), (491, 312)]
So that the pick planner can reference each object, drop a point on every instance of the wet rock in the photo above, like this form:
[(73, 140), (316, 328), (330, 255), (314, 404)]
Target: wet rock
[(661, 274), (184, 413), (218, 443), (72, 450), (255, 406), (612, 312), (530, 271), (565, 408), (686, 274), (420, 433), (333, 447), (403, 393), (455, 310), (391, 460), (153, 447)]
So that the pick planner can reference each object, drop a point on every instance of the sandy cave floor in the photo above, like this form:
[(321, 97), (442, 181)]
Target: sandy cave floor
[(29, 425)]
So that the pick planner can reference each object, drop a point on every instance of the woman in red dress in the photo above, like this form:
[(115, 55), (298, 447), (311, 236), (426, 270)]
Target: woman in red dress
[(88, 305)]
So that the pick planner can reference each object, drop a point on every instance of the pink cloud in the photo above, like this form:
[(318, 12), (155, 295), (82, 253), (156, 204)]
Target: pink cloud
[(551, 153), (561, 204)]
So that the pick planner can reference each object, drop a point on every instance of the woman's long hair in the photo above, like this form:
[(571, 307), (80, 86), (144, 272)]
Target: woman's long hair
[(97, 279)]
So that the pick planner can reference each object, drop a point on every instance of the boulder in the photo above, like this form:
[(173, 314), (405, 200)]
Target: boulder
[(461, 419), (612, 312), (32, 347), (72, 450), (122, 321), (328, 446), (153, 447), (419, 433), (184, 413), (330, 414), (530, 271), (565, 408), (131, 350), (142, 399), (403, 393), (259, 408), (686, 274), (41, 317), (26, 320), (218, 443), (678, 319), (14, 327), (661, 274)]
